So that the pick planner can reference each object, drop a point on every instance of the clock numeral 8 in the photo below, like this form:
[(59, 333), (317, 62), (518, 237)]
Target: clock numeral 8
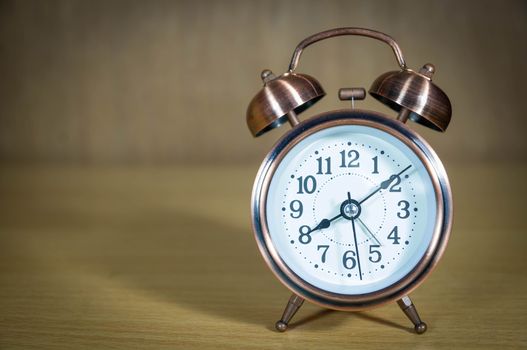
[(305, 233)]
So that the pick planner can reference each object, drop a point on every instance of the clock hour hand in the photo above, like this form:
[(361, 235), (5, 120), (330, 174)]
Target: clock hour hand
[(385, 184), (324, 223)]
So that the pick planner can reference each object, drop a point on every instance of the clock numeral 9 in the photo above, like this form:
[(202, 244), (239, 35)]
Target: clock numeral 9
[(320, 166), (375, 252), (349, 262), (296, 209), (307, 184), (353, 159), (404, 213), (305, 233)]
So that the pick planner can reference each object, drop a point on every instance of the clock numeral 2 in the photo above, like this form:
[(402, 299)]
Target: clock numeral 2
[(353, 159)]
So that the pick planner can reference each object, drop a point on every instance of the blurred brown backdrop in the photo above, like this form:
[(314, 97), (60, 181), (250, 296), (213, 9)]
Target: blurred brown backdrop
[(168, 81)]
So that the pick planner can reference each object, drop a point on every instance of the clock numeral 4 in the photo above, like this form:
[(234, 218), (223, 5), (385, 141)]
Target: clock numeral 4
[(394, 235), (375, 254)]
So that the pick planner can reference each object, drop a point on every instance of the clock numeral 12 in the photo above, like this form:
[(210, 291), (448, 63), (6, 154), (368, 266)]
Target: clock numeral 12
[(353, 162)]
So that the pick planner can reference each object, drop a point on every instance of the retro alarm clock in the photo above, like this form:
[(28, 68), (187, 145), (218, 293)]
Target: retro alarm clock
[(351, 209)]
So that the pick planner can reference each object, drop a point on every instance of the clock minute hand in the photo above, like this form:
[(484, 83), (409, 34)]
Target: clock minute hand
[(385, 184)]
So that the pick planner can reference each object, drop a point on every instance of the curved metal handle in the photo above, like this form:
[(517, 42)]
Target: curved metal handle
[(347, 31)]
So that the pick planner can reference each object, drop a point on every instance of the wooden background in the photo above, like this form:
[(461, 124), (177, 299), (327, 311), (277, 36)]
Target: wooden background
[(149, 82)]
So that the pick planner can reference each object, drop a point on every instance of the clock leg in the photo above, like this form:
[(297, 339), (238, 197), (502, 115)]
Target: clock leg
[(294, 303), (411, 312)]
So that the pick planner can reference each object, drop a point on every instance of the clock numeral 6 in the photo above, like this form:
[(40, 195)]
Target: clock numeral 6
[(296, 209), (376, 252), (349, 262), (305, 233), (307, 184)]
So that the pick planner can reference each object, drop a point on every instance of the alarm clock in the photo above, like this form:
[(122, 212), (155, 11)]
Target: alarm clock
[(351, 208)]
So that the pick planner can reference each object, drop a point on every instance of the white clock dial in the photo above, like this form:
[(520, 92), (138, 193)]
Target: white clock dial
[(351, 209)]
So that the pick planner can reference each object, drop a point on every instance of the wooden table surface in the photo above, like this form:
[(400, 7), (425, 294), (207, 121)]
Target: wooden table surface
[(126, 258)]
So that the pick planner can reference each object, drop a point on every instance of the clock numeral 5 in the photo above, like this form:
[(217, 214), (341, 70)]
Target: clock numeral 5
[(375, 252)]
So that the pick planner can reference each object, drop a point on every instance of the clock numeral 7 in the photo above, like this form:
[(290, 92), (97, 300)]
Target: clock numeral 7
[(325, 248)]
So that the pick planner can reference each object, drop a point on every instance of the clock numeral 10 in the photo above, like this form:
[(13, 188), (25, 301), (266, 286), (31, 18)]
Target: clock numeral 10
[(307, 184)]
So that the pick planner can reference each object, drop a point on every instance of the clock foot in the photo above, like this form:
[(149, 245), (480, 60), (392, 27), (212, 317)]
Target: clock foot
[(411, 312), (294, 303)]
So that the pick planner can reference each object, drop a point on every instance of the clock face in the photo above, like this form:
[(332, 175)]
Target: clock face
[(351, 209)]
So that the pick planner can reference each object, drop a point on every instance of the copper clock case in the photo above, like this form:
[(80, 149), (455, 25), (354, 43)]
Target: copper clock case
[(442, 226)]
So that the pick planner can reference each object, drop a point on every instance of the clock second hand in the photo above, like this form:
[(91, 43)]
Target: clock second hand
[(355, 240), (368, 231)]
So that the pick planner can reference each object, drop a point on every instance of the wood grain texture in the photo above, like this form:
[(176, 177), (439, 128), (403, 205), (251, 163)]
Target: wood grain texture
[(165, 258)]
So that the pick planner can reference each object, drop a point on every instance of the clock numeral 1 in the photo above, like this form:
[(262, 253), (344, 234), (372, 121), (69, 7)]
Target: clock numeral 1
[(307, 184), (325, 248), (320, 167), (375, 165), (353, 159), (394, 235)]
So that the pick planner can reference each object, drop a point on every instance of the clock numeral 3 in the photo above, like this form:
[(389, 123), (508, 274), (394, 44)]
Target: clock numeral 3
[(404, 213)]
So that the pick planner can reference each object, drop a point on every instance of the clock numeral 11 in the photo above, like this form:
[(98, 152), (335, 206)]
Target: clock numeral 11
[(327, 162)]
